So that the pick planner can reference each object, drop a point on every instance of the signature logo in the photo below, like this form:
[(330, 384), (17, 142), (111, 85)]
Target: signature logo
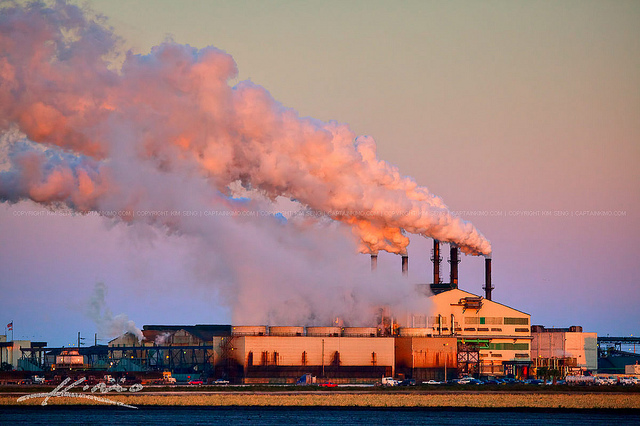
[(62, 391)]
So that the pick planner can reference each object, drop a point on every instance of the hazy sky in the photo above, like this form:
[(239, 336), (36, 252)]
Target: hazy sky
[(522, 116)]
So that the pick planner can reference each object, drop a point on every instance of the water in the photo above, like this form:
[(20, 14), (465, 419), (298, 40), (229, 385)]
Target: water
[(52, 415)]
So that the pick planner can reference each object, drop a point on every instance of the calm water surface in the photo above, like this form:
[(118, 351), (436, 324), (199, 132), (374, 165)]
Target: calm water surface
[(299, 416)]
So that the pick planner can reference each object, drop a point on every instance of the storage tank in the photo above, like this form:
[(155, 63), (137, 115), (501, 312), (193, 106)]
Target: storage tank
[(286, 331), (360, 332), (249, 330), (323, 331), (414, 331)]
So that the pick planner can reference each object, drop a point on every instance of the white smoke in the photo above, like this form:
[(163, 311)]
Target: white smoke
[(165, 141), (109, 325)]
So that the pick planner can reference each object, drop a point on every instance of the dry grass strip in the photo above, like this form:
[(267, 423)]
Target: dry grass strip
[(479, 400)]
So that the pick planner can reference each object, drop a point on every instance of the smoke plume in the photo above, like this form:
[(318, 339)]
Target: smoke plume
[(165, 140), (107, 324)]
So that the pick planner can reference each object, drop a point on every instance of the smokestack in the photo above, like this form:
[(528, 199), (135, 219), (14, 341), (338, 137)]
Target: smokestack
[(453, 260), (487, 278), (405, 265), (374, 262), (436, 259)]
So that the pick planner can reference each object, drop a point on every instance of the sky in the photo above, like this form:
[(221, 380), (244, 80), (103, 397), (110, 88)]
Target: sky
[(522, 116)]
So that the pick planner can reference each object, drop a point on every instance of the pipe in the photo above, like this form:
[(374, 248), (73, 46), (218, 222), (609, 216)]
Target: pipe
[(436, 261), (374, 262), (454, 260), (405, 265), (487, 278)]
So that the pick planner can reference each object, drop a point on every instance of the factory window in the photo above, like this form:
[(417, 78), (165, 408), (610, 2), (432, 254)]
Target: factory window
[(304, 358), (522, 330), (496, 329), (496, 355), (276, 358), (484, 355), (483, 329), (516, 321), (374, 358), (522, 355), (509, 346), (471, 320), (265, 358), (250, 359), (469, 329)]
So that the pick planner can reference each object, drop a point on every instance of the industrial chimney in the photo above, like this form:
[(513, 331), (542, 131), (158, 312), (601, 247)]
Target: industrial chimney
[(436, 259), (454, 260), (374, 261), (487, 278), (405, 265)]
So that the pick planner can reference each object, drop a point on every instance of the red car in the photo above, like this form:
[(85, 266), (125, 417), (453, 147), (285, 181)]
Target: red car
[(328, 385), (195, 382)]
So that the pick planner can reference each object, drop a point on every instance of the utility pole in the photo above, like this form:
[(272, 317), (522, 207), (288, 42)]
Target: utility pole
[(323, 358)]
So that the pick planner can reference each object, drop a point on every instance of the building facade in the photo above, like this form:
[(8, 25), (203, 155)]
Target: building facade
[(493, 339), (565, 350)]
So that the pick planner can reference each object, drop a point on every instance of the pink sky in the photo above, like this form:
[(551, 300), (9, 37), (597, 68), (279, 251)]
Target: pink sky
[(521, 116)]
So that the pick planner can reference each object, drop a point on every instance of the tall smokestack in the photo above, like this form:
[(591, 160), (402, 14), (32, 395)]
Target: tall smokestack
[(487, 278), (436, 259), (453, 260), (374, 262), (405, 265)]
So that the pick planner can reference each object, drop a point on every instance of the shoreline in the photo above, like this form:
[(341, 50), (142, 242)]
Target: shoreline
[(356, 400)]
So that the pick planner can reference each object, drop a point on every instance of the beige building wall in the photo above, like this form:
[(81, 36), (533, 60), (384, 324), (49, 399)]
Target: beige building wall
[(504, 333), (353, 351), (580, 347), (4, 353), (426, 352), (13, 354)]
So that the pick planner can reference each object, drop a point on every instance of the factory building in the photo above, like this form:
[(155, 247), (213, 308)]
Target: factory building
[(462, 334), (426, 358), (282, 359), (492, 339), (11, 352), (566, 350)]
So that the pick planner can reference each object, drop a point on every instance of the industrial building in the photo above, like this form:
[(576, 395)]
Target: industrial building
[(463, 334), (566, 350)]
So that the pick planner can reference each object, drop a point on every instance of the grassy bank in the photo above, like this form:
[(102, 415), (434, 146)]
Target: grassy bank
[(605, 401)]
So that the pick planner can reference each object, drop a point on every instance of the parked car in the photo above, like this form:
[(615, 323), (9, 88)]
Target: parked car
[(389, 381), (220, 382), (407, 382), (433, 382), (195, 382)]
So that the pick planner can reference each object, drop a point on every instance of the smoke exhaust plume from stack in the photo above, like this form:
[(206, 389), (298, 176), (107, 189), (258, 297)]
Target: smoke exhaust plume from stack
[(107, 324), (174, 109), (166, 133)]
